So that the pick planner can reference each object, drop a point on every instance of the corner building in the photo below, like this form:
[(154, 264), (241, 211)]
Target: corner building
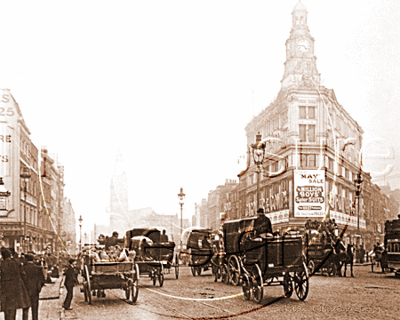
[(306, 130)]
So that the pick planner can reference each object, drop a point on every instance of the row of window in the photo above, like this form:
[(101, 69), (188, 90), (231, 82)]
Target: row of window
[(32, 217)]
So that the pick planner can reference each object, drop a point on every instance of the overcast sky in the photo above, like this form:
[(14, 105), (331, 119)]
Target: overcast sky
[(174, 83)]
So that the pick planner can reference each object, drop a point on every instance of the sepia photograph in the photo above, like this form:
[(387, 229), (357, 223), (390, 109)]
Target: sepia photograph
[(185, 159)]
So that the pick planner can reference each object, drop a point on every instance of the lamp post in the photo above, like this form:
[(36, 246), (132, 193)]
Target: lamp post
[(258, 152), (357, 183), (25, 175), (80, 233), (181, 197)]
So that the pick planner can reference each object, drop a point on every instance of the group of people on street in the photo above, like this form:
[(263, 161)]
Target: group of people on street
[(22, 278)]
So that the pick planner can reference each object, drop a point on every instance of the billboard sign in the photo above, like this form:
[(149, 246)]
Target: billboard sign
[(309, 193)]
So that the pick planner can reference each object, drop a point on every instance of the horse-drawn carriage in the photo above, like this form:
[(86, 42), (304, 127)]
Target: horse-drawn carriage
[(257, 261), (154, 255), (102, 275), (319, 243), (200, 250)]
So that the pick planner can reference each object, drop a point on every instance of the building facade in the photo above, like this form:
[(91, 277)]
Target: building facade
[(312, 151)]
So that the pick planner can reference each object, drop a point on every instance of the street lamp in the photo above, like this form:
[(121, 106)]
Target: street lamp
[(258, 152), (358, 183), (25, 175), (80, 233), (181, 197)]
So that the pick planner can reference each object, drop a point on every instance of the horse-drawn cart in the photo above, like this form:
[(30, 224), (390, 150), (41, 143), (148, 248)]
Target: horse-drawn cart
[(153, 256), (110, 275), (264, 260)]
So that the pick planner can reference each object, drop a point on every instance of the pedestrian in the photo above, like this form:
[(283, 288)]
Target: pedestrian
[(13, 294), (34, 281), (71, 279)]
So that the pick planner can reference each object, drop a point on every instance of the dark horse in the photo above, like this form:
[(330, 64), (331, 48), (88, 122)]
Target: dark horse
[(346, 257)]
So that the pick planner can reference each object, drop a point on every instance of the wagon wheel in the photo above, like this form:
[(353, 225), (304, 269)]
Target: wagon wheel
[(89, 286), (128, 290), (177, 271), (160, 279), (134, 289), (225, 274), (193, 271), (246, 287), (288, 285), (311, 267), (300, 280), (257, 279), (234, 270)]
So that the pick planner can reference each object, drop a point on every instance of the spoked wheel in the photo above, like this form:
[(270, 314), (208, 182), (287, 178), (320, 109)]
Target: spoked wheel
[(287, 285), (134, 289), (311, 267), (225, 274), (234, 270), (300, 280), (160, 279), (258, 289), (89, 286), (246, 287)]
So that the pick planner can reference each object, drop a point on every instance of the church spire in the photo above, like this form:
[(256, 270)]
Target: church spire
[(299, 16)]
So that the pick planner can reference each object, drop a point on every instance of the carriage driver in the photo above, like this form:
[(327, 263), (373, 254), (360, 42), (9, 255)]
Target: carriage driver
[(262, 224)]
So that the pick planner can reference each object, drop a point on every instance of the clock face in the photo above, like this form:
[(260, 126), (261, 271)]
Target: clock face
[(303, 45)]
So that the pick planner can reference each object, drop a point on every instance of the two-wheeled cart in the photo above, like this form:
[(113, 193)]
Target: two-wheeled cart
[(110, 275)]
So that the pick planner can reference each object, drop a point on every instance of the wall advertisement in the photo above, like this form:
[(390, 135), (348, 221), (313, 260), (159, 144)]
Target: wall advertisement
[(309, 193)]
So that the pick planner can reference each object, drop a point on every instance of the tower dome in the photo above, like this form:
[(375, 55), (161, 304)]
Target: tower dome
[(299, 7)]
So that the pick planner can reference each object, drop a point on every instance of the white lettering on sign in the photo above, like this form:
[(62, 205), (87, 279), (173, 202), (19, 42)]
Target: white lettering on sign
[(309, 194)]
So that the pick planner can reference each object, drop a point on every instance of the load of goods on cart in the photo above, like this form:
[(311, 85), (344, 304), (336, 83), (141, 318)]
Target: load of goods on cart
[(109, 266), (154, 253), (256, 260)]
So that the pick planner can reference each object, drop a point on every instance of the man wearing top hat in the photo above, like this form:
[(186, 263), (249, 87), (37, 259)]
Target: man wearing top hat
[(262, 224)]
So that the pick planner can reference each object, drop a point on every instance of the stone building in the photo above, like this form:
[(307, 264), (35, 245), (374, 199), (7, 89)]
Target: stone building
[(311, 147)]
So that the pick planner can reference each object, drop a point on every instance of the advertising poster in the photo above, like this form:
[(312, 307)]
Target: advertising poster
[(309, 193)]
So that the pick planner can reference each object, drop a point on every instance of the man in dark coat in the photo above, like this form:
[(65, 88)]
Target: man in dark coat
[(34, 281), (262, 224), (71, 279), (13, 294)]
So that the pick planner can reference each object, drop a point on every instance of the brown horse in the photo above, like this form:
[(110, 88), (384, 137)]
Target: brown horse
[(346, 258)]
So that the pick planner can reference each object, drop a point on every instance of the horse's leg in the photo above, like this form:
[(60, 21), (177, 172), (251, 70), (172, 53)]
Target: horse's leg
[(351, 268), (345, 268)]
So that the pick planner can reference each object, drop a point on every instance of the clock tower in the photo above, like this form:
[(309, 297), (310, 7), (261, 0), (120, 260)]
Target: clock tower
[(300, 65)]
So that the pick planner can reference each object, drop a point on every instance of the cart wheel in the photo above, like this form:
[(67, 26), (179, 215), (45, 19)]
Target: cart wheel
[(128, 290), (311, 267), (287, 285), (234, 270), (257, 279), (176, 271), (300, 280), (89, 286), (225, 274), (246, 287), (161, 279), (134, 290), (193, 271)]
